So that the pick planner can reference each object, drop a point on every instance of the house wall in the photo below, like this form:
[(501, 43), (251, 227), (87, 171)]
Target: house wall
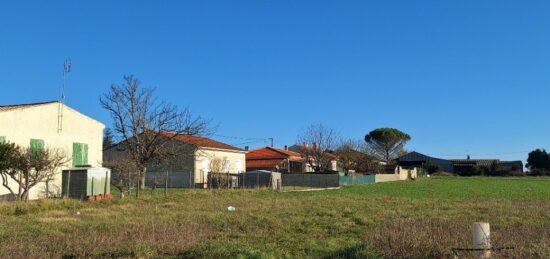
[(204, 156), (21, 125)]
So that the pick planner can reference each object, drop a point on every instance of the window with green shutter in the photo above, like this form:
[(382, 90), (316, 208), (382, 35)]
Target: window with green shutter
[(80, 154), (37, 144), (2, 139)]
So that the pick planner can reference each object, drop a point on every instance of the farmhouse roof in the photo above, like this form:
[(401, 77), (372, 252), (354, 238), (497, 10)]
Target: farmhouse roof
[(272, 153), (23, 106), (415, 158)]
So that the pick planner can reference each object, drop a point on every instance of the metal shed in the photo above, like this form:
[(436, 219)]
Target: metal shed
[(82, 182)]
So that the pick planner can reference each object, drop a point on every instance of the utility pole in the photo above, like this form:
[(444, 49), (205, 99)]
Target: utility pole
[(66, 70)]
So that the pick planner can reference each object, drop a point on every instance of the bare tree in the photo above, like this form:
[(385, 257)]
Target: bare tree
[(108, 138), (316, 144), (123, 173), (349, 156), (216, 165), (138, 118), (356, 155), (215, 176), (28, 167)]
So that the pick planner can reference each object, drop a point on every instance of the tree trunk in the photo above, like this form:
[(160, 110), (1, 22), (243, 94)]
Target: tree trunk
[(142, 179), (137, 185), (26, 188), (20, 192)]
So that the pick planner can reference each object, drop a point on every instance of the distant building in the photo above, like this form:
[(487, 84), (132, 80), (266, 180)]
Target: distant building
[(276, 160), (52, 125), (470, 166), (192, 169), (418, 160), (302, 149), (463, 167), (512, 166)]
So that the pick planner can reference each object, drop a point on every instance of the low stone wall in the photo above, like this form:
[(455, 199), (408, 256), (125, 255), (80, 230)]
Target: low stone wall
[(400, 175)]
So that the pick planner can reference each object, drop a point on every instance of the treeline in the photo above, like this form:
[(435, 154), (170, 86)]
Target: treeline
[(538, 163)]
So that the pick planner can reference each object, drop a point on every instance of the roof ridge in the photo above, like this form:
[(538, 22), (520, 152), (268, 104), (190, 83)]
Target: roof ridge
[(282, 151), (206, 141), (28, 104)]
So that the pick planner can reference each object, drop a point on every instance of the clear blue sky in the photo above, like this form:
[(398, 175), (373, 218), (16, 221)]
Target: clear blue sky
[(461, 77)]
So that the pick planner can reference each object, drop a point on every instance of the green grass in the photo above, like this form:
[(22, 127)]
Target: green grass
[(423, 218)]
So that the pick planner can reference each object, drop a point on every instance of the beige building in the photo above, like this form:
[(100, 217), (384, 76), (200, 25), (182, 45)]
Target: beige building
[(55, 126), (202, 156)]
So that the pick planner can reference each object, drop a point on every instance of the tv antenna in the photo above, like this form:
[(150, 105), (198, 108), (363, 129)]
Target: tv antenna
[(66, 69)]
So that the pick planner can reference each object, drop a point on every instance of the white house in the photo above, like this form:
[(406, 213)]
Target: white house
[(52, 125), (192, 168)]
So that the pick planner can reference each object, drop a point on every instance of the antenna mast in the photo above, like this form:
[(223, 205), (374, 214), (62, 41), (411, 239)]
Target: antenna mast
[(66, 70)]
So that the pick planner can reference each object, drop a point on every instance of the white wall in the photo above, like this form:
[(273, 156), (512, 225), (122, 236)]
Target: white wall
[(203, 157), (21, 125), (400, 175)]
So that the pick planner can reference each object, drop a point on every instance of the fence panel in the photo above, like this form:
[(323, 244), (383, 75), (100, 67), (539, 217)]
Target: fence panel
[(175, 179), (359, 179), (310, 180)]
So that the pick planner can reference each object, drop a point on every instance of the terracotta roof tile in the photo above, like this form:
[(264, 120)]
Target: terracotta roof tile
[(272, 153), (200, 141), (262, 163)]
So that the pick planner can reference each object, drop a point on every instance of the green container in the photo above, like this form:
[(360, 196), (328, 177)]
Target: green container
[(81, 183)]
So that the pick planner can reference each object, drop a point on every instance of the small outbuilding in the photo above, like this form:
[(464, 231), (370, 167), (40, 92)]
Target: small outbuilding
[(418, 160)]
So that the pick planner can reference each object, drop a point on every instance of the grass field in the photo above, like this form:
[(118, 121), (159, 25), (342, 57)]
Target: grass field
[(420, 219)]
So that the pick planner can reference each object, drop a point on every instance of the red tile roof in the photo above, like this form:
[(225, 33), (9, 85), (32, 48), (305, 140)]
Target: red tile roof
[(328, 154), (200, 141), (263, 163), (272, 153), (21, 106)]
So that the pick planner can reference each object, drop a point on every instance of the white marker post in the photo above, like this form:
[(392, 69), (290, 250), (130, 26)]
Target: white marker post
[(482, 239)]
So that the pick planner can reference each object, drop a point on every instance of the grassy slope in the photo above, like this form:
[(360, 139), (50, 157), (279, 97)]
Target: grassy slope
[(423, 218)]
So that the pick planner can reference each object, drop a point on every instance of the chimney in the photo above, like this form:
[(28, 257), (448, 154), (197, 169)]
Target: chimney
[(245, 148), (468, 157), (286, 147)]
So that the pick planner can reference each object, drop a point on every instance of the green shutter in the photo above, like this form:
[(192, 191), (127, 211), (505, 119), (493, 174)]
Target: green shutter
[(80, 154), (2, 139), (37, 145), (77, 154), (84, 154)]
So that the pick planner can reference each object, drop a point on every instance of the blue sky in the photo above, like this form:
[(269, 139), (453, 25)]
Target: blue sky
[(461, 77)]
